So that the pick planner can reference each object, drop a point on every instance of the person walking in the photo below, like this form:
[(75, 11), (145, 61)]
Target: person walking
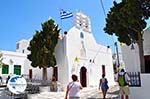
[(73, 88), (1, 80), (8, 77), (103, 85), (53, 87), (123, 80)]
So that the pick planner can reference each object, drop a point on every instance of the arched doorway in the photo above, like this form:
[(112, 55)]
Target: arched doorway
[(83, 77)]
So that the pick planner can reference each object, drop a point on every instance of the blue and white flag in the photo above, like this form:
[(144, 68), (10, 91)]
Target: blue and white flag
[(65, 14)]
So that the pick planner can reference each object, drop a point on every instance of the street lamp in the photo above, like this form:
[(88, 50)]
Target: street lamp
[(117, 53), (11, 64)]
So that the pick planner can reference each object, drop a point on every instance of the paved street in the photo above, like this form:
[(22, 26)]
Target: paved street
[(86, 93)]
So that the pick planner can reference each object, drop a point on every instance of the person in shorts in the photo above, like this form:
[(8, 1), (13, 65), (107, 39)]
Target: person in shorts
[(123, 83)]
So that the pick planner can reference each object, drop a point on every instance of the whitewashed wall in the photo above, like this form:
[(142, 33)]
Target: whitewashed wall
[(131, 58), (73, 47), (16, 58), (21, 59), (143, 91), (61, 58), (36, 72)]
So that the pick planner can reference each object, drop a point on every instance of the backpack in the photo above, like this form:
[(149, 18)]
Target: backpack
[(121, 80)]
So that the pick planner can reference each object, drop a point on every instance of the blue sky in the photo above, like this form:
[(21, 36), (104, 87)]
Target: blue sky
[(20, 18)]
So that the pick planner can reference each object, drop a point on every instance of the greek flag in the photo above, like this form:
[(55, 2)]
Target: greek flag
[(65, 14)]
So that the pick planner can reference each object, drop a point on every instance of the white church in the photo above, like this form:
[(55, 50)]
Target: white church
[(77, 52)]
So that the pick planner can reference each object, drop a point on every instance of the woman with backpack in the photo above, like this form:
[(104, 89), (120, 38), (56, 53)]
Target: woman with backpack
[(103, 85)]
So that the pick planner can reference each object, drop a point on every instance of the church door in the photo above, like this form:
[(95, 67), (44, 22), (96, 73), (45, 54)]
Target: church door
[(83, 77)]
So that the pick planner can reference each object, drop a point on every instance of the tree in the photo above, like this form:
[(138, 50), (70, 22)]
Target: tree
[(127, 20), (42, 47)]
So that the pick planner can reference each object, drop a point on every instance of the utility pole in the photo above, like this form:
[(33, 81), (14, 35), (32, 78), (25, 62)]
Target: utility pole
[(117, 53)]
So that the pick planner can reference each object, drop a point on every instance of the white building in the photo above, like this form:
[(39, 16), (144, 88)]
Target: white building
[(77, 52), (14, 63), (132, 63)]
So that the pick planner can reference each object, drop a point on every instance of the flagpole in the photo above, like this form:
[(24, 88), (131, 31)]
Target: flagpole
[(61, 31), (61, 25)]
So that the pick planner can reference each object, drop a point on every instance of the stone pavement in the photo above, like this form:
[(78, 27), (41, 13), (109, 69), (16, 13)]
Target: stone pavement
[(86, 93)]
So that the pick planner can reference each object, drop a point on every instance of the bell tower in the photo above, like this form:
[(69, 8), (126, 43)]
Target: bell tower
[(82, 22)]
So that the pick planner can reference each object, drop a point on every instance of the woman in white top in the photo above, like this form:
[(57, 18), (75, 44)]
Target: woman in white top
[(73, 88)]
